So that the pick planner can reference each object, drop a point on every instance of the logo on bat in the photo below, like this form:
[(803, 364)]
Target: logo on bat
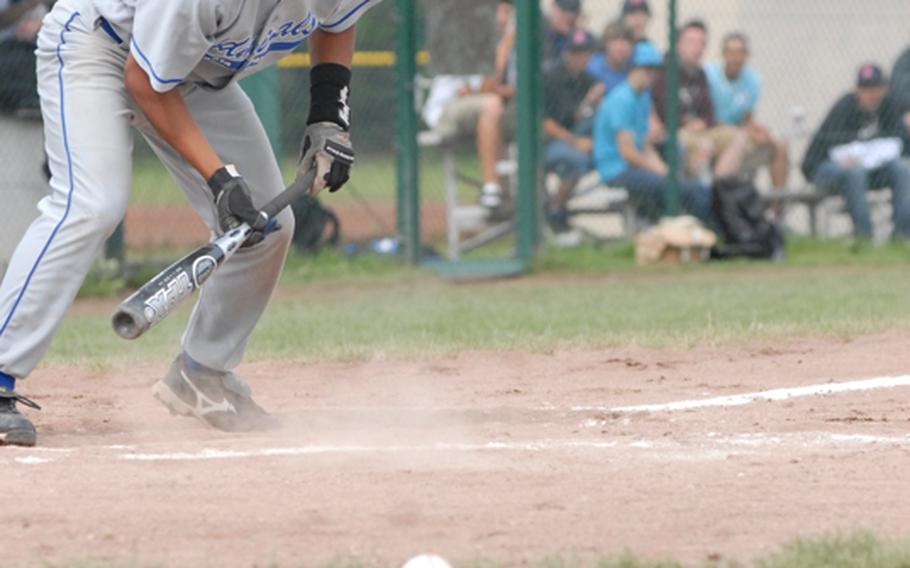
[(203, 267), (168, 296)]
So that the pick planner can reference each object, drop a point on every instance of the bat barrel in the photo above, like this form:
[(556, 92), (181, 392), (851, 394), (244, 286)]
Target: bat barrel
[(130, 324)]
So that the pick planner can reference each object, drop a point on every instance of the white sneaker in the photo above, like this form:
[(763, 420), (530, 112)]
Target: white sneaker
[(491, 196), (221, 400)]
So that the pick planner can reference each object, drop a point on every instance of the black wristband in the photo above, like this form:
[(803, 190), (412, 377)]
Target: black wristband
[(329, 89)]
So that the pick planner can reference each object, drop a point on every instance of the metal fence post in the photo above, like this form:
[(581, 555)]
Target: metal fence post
[(671, 199), (408, 192), (528, 51)]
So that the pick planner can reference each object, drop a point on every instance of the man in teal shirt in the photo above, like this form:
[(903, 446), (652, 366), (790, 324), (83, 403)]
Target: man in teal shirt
[(735, 95), (622, 152), (735, 89)]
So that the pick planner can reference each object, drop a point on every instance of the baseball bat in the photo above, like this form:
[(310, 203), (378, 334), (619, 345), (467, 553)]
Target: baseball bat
[(160, 295)]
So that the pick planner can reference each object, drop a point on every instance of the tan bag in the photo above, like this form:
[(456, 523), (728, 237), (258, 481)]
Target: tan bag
[(675, 240)]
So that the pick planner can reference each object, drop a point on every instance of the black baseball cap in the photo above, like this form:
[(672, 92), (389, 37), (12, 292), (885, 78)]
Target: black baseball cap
[(569, 5), (630, 6), (870, 75), (580, 40)]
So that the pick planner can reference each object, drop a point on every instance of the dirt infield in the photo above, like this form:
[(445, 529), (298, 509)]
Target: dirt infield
[(506, 457)]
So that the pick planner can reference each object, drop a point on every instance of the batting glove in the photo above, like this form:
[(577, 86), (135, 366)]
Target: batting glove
[(235, 204), (327, 147)]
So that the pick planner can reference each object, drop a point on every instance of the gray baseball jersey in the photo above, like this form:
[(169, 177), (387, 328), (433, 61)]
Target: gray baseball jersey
[(214, 41), (200, 46)]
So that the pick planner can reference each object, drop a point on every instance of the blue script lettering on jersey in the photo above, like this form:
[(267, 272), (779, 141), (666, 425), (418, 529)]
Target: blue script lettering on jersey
[(239, 54)]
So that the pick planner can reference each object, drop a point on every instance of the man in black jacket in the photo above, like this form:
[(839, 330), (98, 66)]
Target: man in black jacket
[(569, 101), (863, 115)]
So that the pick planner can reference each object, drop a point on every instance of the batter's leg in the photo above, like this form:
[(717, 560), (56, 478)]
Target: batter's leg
[(233, 301), (88, 143)]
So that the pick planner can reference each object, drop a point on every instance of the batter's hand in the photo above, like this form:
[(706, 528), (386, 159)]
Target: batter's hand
[(327, 147), (235, 204)]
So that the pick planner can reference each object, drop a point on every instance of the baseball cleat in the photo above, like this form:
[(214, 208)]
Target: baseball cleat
[(221, 400), (15, 429)]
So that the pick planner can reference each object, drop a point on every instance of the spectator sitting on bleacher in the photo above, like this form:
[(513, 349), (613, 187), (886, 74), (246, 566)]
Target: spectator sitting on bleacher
[(857, 148), (900, 89), (611, 65), (462, 105), (636, 15), (623, 152), (701, 138), (735, 90), (19, 24), (570, 96), (562, 19)]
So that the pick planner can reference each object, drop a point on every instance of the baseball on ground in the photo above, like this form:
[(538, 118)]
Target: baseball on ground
[(427, 561)]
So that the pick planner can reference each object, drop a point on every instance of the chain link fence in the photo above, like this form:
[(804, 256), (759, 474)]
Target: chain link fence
[(806, 53)]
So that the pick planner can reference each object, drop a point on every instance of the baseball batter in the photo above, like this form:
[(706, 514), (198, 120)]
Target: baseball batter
[(169, 68)]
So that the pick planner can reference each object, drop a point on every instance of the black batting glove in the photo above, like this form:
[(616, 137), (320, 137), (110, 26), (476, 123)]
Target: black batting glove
[(326, 142), (327, 148), (234, 204)]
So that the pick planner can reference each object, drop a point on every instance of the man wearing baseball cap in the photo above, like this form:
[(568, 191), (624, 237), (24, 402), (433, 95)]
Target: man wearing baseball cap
[(858, 147), (636, 15), (570, 95), (562, 19), (624, 154)]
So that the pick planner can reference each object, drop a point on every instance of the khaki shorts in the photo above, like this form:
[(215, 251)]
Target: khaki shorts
[(719, 139), (460, 117)]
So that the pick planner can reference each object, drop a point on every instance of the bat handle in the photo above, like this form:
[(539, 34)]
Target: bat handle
[(296, 190)]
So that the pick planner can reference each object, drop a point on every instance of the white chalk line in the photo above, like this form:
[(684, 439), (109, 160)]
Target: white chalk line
[(767, 396), (712, 441), (539, 446), (710, 446), (33, 460)]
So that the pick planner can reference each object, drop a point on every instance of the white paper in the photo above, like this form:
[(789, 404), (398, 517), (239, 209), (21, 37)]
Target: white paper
[(871, 155)]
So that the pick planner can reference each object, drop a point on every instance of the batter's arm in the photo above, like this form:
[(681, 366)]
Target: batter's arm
[(326, 141), (327, 47), (169, 115)]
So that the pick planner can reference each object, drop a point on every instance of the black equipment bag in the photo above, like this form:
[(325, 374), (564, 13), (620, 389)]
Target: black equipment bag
[(316, 226), (741, 214)]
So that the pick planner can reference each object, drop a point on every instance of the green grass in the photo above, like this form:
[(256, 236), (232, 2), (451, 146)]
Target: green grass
[(862, 550), (856, 551), (335, 308), (801, 252)]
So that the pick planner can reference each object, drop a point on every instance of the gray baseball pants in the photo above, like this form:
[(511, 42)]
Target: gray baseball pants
[(88, 121)]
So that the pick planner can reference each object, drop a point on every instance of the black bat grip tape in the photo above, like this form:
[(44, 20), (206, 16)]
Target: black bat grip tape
[(296, 190)]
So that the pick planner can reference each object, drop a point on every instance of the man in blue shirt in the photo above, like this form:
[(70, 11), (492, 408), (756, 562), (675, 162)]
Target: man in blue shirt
[(735, 89), (624, 155), (612, 64)]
